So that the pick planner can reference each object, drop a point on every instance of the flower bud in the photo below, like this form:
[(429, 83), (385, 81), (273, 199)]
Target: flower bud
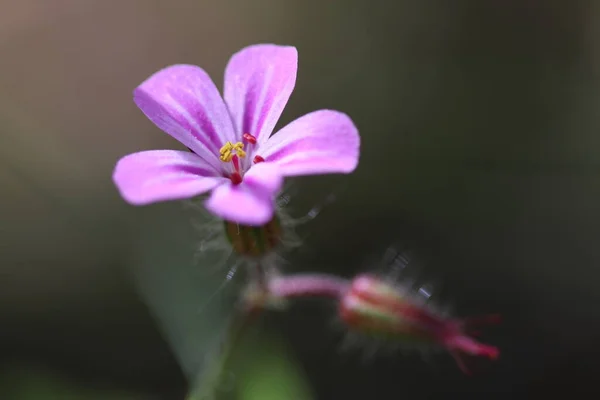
[(375, 307)]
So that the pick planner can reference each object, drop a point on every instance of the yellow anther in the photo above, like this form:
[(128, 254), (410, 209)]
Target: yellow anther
[(225, 152), (241, 153), (228, 150)]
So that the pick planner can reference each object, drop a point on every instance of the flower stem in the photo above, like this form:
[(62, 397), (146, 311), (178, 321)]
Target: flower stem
[(208, 386), (290, 286), (308, 285)]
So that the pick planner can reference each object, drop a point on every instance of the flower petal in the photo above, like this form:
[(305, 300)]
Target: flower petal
[(259, 80), (252, 201), (321, 142), (158, 175), (264, 177), (183, 101)]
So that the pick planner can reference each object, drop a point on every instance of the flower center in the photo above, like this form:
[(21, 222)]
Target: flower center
[(229, 151), (233, 152)]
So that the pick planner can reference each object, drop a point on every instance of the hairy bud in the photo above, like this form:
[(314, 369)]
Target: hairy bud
[(375, 307)]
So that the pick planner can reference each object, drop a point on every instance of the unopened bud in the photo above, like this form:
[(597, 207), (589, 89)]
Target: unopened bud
[(375, 307)]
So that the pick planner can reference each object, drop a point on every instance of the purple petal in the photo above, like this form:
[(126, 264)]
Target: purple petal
[(259, 80), (252, 201), (183, 101), (321, 142), (158, 175), (264, 177)]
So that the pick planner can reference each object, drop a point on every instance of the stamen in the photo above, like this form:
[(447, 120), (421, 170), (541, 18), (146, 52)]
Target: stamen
[(225, 152), (258, 159), (249, 138), (229, 149), (232, 153)]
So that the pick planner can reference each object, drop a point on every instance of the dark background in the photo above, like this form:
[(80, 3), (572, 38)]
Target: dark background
[(479, 129)]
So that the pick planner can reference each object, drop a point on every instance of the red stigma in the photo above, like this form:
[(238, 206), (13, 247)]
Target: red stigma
[(249, 138), (258, 159), (236, 162), (236, 178)]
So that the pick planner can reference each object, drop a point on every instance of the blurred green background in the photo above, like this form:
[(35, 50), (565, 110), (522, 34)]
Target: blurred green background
[(480, 148)]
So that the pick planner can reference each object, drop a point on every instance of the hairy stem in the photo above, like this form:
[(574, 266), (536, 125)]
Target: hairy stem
[(308, 285), (208, 386), (291, 286)]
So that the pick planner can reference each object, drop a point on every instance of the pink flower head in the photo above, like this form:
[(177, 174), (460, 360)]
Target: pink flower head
[(233, 153)]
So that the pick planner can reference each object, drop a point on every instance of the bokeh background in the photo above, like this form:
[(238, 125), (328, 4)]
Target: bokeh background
[(480, 149)]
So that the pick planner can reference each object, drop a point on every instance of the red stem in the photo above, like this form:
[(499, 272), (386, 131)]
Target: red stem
[(308, 285)]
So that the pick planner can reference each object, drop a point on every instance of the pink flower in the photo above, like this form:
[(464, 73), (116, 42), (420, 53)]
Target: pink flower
[(233, 152)]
